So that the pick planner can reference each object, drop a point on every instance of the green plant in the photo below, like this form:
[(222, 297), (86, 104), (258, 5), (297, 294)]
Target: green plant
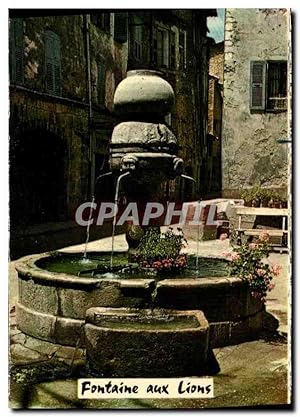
[(275, 196), (162, 250), (259, 194), (246, 263), (251, 194)]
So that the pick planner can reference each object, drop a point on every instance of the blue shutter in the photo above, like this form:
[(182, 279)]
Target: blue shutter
[(257, 85), (52, 63), (16, 41)]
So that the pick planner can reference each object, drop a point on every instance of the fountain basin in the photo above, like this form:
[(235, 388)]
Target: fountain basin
[(52, 305), (174, 343)]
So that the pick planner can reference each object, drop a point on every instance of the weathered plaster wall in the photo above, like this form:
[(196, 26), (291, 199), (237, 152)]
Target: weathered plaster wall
[(104, 50), (73, 61), (250, 152)]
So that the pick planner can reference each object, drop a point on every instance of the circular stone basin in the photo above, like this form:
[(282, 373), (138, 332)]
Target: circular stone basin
[(56, 290)]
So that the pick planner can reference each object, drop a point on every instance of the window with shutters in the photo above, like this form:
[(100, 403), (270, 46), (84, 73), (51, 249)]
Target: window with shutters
[(161, 47), (268, 86), (102, 21), (101, 82), (52, 63), (121, 27), (164, 48), (138, 40), (277, 86), (16, 41)]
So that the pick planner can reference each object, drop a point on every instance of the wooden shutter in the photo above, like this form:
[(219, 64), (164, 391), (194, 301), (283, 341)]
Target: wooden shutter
[(16, 41), (52, 63), (257, 85), (121, 27)]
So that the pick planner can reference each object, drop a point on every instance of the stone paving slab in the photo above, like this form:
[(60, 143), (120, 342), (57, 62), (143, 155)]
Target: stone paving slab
[(260, 380)]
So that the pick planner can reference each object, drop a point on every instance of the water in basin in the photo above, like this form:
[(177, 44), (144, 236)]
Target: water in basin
[(98, 266)]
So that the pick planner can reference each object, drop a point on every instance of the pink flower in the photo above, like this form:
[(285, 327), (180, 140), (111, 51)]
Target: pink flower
[(235, 257), (260, 272), (223, 236), (276, 269), (227, 254), (252, 246), (264, 237), (271, 286)]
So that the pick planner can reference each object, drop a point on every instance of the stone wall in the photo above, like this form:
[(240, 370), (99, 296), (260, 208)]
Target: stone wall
[(216, 61), (33, 115), (41, 121), (251, 153)]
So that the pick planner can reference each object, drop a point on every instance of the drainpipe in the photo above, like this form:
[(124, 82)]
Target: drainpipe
[(89, 89)]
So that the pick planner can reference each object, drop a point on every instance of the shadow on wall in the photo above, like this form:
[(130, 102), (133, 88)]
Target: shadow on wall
[(37, 178)]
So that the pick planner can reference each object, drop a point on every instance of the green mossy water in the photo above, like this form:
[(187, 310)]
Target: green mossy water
[(97, 266)]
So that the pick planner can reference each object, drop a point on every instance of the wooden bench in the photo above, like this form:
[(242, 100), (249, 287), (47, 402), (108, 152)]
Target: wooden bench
[(263, 211)]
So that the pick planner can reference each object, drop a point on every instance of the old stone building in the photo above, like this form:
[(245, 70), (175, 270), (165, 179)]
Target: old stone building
[(63, 72), (175, 43), (255, 115), (64, 69)]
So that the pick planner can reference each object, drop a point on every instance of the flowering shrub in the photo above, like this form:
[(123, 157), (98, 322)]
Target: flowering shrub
[(247, 264), (162, 250)]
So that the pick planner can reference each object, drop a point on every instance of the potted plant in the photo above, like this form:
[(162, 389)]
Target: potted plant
[(247, 196), (277, 200), (265, 197)]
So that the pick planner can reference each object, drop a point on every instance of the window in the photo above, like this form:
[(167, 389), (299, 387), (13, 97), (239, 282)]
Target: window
[(137, 41), (164, 48), (121, 27), (102, 21), (268, 85), (52, 63), (16, 42), (161, 47)]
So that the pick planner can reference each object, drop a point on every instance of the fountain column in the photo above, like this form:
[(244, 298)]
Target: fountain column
[(143, 143)]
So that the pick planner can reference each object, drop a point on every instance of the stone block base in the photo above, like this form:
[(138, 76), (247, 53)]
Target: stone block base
[(146, 343)]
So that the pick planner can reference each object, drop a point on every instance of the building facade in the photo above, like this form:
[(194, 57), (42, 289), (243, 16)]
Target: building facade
[(174, 42), (255, 114), (63, 73)]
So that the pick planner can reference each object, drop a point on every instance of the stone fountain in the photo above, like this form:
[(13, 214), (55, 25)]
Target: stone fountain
[(136, 325)]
